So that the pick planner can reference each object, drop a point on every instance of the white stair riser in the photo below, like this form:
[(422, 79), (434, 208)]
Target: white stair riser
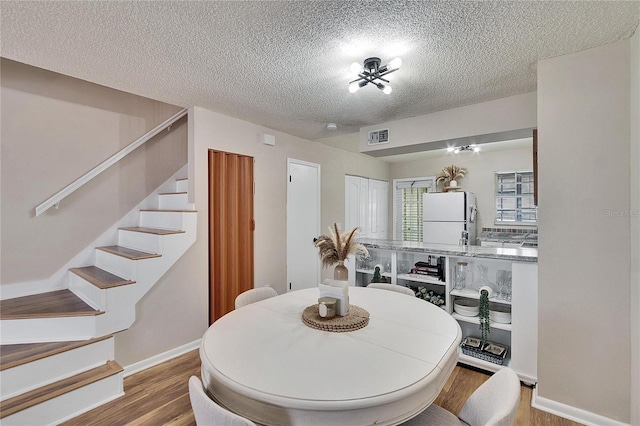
[(104, 299), (182, 185), (119, 306), (23, 378), (69, 405), (118, 265), (151, 243), (40, 330), (145, 272), (116, 320), (173, 201), (163, 220)]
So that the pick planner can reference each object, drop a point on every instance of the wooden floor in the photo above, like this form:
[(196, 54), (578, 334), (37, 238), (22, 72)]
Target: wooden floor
[(160, 396)]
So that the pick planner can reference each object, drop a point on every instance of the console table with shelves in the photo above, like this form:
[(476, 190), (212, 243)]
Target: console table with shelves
[(398, 258)]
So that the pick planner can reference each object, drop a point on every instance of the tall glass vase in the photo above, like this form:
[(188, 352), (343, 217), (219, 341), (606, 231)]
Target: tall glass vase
[(341, 273)]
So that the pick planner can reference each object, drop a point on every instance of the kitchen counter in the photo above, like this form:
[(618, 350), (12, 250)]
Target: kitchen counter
[(511, 254), (506, 237)]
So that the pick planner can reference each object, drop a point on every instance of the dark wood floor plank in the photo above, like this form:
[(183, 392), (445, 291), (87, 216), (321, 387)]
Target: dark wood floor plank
[(160, 395), (154, 390)]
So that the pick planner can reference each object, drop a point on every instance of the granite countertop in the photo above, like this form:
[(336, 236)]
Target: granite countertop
[(510, 236), (512, 254)]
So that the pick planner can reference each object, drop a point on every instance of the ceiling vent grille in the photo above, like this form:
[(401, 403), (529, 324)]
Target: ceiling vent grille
[(377, 137)]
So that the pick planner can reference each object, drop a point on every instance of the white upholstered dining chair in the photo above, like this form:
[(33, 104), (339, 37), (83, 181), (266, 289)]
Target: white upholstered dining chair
[(207, 412), (254, 295), (393, 287), (494, 403)]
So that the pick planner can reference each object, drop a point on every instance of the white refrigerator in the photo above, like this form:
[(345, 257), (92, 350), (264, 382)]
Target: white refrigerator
[(446, 215)]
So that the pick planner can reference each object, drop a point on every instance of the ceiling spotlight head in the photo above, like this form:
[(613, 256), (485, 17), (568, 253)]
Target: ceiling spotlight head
[(332, 126), (387, 90), (395, 64), (355, 85), (457, 149), (356, 68)]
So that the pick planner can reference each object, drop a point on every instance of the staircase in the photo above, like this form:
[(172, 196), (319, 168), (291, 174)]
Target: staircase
[(57, 352)]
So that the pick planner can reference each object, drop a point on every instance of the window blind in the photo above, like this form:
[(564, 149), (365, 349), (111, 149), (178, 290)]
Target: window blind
[(514, 197), (407, 208)]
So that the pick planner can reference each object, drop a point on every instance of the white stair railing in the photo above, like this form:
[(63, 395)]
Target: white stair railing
[(60, 195)]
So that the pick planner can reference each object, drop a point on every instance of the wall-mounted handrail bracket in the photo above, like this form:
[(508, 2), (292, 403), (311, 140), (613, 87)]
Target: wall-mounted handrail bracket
[(55, 199), (57, 205)]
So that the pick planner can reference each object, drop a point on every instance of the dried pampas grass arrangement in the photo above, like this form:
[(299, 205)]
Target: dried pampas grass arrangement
[(336, 246), (450, 173)]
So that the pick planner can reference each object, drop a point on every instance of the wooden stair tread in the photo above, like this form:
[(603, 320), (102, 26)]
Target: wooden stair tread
[(99, 277), (169, 211), (156, 231), (173, 193), (59, 303), (128, 253), (53, 390), (15, 355)]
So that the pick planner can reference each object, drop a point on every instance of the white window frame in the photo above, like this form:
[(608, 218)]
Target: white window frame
[(518, 196), (428, 182)]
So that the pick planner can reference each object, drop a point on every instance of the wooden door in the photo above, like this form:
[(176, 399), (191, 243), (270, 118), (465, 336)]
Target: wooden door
[(231, 227)]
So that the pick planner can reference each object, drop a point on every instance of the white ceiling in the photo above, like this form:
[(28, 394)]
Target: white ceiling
[(285, 64)]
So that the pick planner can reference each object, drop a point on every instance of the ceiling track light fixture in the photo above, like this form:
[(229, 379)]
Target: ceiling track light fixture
[(457, 149), (372, 72)]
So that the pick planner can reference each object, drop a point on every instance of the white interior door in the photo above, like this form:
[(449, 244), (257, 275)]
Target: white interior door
[(303, 224), (378, 208), (351, 202), (356, 205)]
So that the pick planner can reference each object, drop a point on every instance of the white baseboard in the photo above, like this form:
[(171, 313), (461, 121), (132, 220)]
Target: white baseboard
[(160, 358), (571, 413)]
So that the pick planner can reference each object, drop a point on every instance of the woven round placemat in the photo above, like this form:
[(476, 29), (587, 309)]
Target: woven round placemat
[(355, 319)]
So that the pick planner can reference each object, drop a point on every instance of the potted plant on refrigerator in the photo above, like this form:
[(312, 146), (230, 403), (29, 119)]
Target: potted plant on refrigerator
[(450, 176)]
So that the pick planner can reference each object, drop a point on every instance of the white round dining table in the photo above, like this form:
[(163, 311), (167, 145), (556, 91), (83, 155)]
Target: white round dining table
[(262, 362)]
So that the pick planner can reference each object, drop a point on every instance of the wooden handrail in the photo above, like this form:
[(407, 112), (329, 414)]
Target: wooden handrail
[(60, 195)]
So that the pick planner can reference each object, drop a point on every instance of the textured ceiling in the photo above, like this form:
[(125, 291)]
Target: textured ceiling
[(285, 64)]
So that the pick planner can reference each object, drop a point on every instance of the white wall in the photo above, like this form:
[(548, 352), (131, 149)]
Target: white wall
[(498, 120), (480, 174), (216, 131), (54, 129), (635, 227), (584, 226)]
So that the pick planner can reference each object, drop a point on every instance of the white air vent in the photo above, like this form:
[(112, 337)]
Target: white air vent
[(377, 137)]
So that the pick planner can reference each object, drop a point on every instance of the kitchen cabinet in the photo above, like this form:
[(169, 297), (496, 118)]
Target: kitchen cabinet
[(520, 335)]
